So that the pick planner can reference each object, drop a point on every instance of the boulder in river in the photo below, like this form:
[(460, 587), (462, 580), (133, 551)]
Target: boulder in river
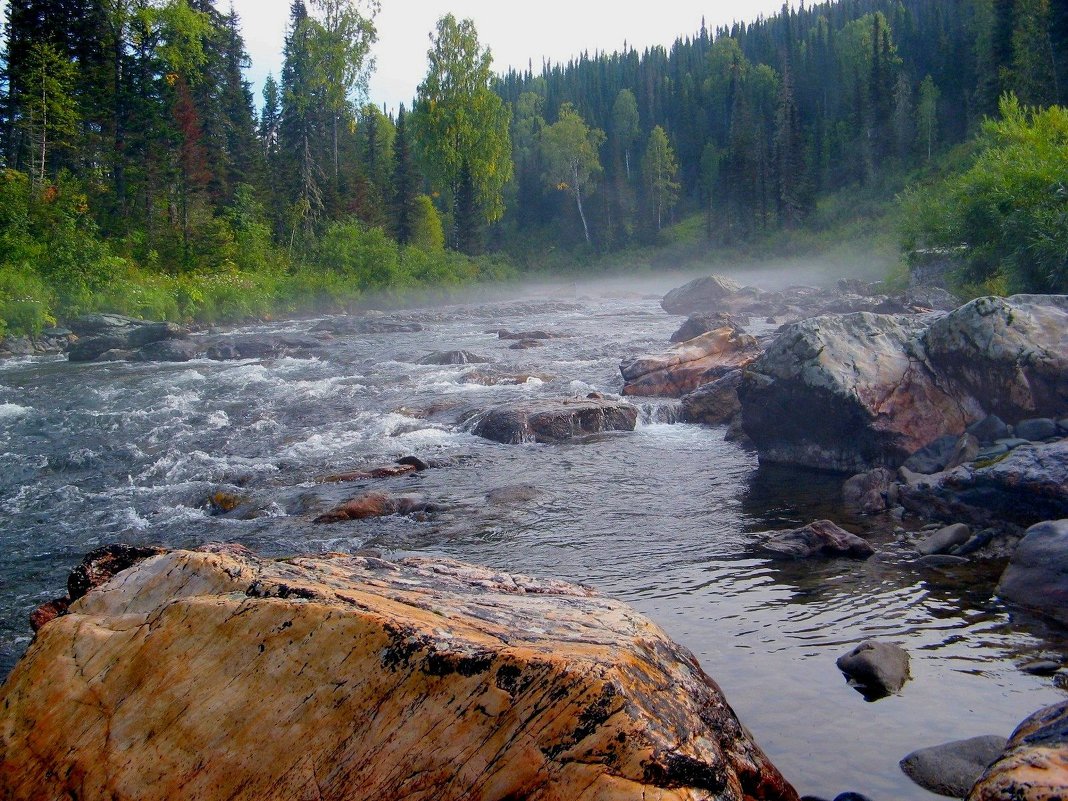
[(848, 392), (377, 504), (167, 350), (877, 669), (423, 679), (715, 403), (871, 492), (553, 420), (952, 769), (686, 366), (700, 295), (820, 538), (252, 346), (1010, 353), (1034, 765), (452, 357), (1037, 575), (855, 391), (697, 324)]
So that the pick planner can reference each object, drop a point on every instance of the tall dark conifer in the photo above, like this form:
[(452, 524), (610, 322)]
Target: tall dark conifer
[(405, 183)]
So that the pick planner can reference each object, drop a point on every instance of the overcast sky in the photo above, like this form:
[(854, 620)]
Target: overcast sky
[(516, 33)]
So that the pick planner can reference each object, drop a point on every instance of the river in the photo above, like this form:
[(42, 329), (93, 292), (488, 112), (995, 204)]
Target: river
[(663, 518)]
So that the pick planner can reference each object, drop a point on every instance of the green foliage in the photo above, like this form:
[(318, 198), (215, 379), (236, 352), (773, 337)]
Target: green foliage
[(427, 232), (659, 170), (26, 303), (461, 126), (570, 150), (1009, 208)]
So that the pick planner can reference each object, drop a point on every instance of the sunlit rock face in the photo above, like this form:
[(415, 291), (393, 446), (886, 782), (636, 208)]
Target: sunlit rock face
[(1034, 766), (219, 675), (684, 367)]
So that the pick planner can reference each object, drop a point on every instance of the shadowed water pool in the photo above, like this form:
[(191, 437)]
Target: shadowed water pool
[(663, 517)]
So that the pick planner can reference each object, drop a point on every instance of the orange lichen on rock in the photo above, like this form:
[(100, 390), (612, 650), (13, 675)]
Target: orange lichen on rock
[(215, 675)]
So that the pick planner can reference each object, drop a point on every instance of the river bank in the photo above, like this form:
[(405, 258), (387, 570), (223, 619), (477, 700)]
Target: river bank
[(136, 450)]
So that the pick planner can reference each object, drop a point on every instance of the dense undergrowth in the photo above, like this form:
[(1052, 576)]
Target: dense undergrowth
[(54, 266)]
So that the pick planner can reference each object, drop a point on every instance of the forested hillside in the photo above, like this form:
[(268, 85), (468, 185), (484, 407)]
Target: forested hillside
[(142, 176)]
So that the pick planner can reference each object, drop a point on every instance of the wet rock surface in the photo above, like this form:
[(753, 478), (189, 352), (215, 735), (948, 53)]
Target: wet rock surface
[(715, 403), (463, 683), (552, 421), (952, 769), (819, 539), (1034, 765), (877, 669), (1019, 487), (684, 367), (1037, 575)]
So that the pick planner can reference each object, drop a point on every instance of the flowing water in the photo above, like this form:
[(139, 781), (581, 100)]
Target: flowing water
[(663, 518)]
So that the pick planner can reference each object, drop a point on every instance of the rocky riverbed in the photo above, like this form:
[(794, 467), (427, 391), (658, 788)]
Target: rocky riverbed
[(429, 433)]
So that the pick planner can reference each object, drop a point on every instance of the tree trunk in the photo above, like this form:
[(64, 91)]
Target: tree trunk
[(578, 201)]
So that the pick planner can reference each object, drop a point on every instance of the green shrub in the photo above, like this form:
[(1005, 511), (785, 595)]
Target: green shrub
[(1009, 208), (26, 304)]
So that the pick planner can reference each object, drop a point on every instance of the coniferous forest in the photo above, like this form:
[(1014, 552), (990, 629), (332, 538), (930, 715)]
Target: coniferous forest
[(142, 176)]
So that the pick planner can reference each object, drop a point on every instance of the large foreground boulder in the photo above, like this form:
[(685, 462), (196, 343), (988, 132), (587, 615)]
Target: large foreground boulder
[(218, 675), (1034, 766), (684, 367), (552, 420)]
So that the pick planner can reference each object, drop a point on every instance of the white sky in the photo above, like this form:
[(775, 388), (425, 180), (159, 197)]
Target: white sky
[(516, 33)]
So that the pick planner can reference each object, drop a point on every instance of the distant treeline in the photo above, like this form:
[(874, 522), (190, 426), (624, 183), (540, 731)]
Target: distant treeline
[(136, 156), (765, 117)]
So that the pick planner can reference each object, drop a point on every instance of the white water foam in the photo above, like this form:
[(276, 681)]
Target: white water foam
[(10, 411)]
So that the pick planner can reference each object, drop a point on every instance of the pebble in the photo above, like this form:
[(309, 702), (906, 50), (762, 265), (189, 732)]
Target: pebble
[(1041, 667)]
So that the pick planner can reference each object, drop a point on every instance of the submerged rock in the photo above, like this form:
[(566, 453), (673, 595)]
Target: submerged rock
[(451, 357), (377, 504), (263, 347), (821, 538), (684, 367), (1034, 765), (423, 679), (945, 539), (167, 350), (951, 769), (553, 420), (1037, 575), (876, 669), (871, 492)]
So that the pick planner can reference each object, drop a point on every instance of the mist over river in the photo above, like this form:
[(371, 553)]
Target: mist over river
[(663, 518)]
